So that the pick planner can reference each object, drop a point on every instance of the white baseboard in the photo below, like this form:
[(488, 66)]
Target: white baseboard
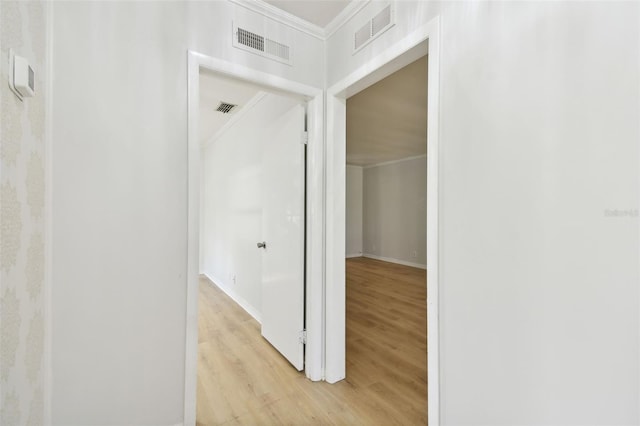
[(398, 261), (251, 310), (349, 256)]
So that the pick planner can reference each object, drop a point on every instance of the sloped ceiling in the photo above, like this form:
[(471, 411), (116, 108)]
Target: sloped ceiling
[(388, 120), (215, 89), (318, 12)]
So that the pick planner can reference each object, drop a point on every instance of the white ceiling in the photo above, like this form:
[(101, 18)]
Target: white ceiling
[(318, 12), (215, 89), (388, 120)]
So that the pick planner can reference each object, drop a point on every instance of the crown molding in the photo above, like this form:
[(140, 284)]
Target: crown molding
[(268, 11), (279, 15), (343, 17)]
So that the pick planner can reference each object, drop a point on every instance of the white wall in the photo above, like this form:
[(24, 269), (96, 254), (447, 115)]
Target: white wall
[(233, 203), (120, 198), (395, 211), (354, 211), (539, 299), (539, 296)]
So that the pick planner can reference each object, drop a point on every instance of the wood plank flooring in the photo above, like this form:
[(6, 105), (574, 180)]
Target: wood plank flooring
[(243, 380)]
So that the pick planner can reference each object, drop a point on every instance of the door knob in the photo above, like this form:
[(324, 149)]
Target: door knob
[(262, 245)]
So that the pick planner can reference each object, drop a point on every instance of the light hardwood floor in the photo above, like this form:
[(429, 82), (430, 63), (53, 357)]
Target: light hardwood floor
[(243, 380)]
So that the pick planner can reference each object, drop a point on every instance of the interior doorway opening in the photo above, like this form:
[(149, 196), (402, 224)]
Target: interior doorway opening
[(252, 226), (247, 150), (385, 244), (423, 41)]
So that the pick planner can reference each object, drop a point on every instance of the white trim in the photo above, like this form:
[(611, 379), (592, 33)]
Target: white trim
[(335, 243), (193, 237), (434, 245), (235, 117), (382, 64), (243, 303), (403, 52), (315, 215), (315, 304), (323, 155), (45, 237), (242, 72), (47, 380), (401, 160), (279, 15), (351, 256), (392, 260), (271, 12), (351, 10), (638, 17)]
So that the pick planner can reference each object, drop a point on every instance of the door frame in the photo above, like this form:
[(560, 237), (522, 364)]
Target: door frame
[(314, 262), (425, 39)]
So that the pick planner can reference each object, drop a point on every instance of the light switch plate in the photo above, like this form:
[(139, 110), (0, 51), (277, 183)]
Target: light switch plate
[(12, 86)]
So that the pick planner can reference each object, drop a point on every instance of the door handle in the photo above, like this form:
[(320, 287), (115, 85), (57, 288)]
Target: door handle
[(262, 245)]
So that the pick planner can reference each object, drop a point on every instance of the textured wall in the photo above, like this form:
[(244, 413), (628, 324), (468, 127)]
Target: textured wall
[(22, 198)]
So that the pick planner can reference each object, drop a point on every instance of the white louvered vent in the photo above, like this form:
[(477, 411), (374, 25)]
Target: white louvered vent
[(374, 28), (261, 45), (381, 21), (362, 36), (277, 49)]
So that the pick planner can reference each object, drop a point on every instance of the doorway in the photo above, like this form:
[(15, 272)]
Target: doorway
[(252, 224), (423, 41), (386, 188), (266, 93), (252, 217)]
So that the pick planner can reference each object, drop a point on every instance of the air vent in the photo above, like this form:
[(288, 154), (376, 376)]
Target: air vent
[(261, 45), (225, 107), (277, 49), (381, 20), (362, 36), (249, 39), (373, 28)]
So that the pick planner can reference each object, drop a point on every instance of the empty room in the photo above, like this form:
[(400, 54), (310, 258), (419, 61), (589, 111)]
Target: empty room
[(386, 189)]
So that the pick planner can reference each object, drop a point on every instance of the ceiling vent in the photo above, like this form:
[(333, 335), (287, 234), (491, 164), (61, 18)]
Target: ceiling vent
[(225, 107), (261, 45), (373, 28)]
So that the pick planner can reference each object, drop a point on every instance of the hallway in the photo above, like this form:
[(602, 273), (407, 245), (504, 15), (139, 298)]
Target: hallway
[(243, 380)]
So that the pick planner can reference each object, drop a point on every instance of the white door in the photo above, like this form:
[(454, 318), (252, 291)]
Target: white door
[(283, 236)]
